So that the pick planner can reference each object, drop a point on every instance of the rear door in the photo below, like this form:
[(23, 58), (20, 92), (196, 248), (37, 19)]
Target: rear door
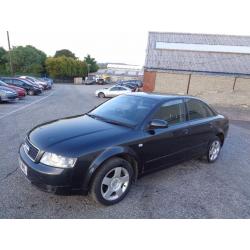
[(201, 130)]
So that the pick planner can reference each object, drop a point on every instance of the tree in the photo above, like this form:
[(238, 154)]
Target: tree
[(91, 62), (3, 53), (28, 60), (65, 67), (65, 52), (3, 61)]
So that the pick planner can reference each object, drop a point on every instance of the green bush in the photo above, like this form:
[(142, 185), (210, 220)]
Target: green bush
[(65, 67)]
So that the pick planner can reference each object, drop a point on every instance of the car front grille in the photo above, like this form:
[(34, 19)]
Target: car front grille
[(31, 150)]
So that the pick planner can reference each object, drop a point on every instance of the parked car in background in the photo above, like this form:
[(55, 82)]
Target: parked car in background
[(22, 83), (91, 81), (40, 86), (34, 80), (47, 79), (112, 91), (7, 94), (134, 88), (20, 91), (137, 83), (103, 151), (100, 81)]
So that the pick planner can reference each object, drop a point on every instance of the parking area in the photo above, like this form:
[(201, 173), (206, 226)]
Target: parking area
[(193, 189)]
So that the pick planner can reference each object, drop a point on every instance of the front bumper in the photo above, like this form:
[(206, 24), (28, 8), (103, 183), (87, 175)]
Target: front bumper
[(9, 97), (49, 179)]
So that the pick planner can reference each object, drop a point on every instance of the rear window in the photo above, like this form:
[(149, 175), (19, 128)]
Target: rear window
[(198, 109)]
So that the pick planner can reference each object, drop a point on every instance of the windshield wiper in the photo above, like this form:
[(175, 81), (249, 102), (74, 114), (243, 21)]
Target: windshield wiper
[(118, 123), (109, 120)]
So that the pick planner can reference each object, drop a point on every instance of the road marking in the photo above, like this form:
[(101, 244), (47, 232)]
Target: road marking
[(21, 108)]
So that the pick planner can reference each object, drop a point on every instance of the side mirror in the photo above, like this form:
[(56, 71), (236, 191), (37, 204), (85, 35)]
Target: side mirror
[(157, 123)]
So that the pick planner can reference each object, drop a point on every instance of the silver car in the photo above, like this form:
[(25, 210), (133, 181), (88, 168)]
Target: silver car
[(7, 94), (112, 91)]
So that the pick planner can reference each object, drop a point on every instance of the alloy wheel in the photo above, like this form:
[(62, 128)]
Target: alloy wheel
[(115, 183), (214, 150)]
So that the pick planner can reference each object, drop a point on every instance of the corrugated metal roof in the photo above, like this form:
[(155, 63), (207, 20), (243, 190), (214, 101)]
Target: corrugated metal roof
[(197, 61)]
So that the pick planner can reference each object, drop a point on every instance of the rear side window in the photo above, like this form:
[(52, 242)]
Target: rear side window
[(198, 110), (172, 112)]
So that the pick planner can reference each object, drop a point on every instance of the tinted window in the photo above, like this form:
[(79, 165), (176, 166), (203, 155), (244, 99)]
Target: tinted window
[(173, 112), (130, 110), (198, 109)]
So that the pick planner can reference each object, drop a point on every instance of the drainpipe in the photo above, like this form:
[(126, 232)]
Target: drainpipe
[(189, 80)]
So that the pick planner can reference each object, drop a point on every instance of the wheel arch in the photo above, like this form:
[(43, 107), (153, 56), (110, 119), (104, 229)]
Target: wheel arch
[(221, 136), (125, 153), (101, 92)]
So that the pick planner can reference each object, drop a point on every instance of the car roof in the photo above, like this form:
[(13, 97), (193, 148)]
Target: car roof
[(161, 97)]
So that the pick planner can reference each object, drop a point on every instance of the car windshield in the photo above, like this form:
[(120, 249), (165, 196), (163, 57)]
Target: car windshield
[(3, 84), (127, 110)]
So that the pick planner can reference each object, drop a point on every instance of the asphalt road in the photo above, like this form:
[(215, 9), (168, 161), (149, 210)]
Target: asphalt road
[(191, 190)]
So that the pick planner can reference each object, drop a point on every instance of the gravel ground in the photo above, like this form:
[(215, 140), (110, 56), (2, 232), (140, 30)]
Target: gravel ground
[(190, 190)]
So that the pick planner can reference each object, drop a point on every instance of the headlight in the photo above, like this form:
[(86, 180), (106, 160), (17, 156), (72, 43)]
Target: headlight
[(58, 161), (8, 92)]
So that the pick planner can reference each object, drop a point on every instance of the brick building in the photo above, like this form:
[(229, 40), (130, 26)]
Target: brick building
[(191, 63)]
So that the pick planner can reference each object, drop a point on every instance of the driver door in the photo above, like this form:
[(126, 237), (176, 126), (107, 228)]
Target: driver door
[(166, 146)]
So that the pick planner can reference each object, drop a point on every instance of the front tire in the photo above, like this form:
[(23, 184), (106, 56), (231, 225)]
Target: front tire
[(214, 148), (112, 181)]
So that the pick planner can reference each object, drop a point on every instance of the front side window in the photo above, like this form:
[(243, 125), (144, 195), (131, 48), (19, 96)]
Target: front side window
[(173, 112), (197, 109)]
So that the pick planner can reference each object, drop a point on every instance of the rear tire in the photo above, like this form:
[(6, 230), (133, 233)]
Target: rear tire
[(214, 148), (112, 182), (101, 95)]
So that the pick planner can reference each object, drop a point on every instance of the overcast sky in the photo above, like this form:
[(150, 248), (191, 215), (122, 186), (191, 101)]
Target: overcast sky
[(114, 30)]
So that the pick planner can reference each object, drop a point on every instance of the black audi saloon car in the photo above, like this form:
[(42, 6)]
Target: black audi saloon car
[(103, 151)]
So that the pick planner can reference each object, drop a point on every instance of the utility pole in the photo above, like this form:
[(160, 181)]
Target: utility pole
[(11, 67)]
